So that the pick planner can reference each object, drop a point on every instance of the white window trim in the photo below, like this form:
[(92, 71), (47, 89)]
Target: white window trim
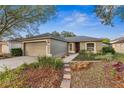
[(94, 46)]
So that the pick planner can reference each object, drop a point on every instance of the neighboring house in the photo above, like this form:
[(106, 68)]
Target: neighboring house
[(50, 45), (4, 48), (118, 44)]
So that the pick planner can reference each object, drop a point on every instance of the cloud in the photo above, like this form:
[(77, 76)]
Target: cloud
[(77, 19), (74, 18)]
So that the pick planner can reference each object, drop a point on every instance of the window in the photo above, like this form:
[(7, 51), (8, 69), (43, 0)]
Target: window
[(70, 47), (90, 46)]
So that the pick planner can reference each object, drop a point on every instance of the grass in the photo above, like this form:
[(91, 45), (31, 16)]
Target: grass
[(119, 57), (83, 57), (105, 57), (46, 72)]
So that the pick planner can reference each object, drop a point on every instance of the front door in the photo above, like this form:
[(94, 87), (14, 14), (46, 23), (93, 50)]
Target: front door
[(77, 47)]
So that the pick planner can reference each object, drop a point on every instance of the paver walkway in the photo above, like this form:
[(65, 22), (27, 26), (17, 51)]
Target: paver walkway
[(12, 63), (67, 71)]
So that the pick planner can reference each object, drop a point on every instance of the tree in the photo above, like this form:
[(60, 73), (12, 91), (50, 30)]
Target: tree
[(55, 33), (63, 34), (108, 13), (67, 34), (15, 19), (106, 41)]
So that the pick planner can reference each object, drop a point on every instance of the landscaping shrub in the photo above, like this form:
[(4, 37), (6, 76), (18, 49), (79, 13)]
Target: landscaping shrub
[(20, 77), (107, 57), (53, 62), (16, 52), (82, 52), (8, 77), (106, 50), (119, 56), (87, 56)]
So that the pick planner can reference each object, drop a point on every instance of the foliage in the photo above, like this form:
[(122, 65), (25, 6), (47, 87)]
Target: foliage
[(49, 62), (118, 56), (108, 49), (25, 75), (16, 52), (107, 57), (14, 19), (55, 33), (114, 74), (82, 52), (85, 55), (10, 77), (63, 34), (106, 41), (67, 34), (108, 13)]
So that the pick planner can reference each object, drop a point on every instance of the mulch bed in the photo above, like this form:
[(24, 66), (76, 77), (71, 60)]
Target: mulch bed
[(91, 77), (36, 78), (45, 78)]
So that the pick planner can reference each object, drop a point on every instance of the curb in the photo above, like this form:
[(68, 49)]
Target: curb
[(66, 76)]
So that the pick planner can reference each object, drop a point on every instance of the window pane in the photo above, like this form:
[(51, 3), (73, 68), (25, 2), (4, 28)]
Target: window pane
[(90, 46)]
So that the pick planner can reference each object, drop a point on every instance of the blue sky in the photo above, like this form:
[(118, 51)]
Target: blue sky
[(82, 21)]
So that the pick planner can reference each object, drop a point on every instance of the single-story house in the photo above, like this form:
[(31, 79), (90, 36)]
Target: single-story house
[(118, 44), (50, 45)]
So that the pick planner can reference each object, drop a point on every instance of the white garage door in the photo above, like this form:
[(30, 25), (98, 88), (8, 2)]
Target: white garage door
[(35, 49)]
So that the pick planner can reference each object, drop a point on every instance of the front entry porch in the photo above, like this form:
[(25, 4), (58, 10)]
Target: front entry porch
[(75, 47)]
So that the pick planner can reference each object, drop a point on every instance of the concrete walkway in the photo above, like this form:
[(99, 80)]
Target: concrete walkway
[(12, 63), (69, 58)]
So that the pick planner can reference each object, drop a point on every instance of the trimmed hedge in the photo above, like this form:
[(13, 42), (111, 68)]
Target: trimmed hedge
[(16, 52), (106, 50)]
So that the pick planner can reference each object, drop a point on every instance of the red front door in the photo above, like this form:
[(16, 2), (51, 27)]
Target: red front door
[(77, 47)]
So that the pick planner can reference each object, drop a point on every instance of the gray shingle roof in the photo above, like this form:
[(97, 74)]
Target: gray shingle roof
[(68, 39), (82, 38), (118, 40), (42, 36)]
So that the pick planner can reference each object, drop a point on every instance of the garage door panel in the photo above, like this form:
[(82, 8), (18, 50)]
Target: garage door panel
[(35, 49)]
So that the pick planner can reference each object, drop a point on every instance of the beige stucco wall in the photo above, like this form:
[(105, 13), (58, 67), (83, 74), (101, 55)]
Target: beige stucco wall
[(83, 46), (99, 46), (119, 47), (5, 49), (58, 48), (73, 47)]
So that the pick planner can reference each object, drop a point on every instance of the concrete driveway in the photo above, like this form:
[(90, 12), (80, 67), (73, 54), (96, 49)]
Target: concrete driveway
[(16, 61)]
